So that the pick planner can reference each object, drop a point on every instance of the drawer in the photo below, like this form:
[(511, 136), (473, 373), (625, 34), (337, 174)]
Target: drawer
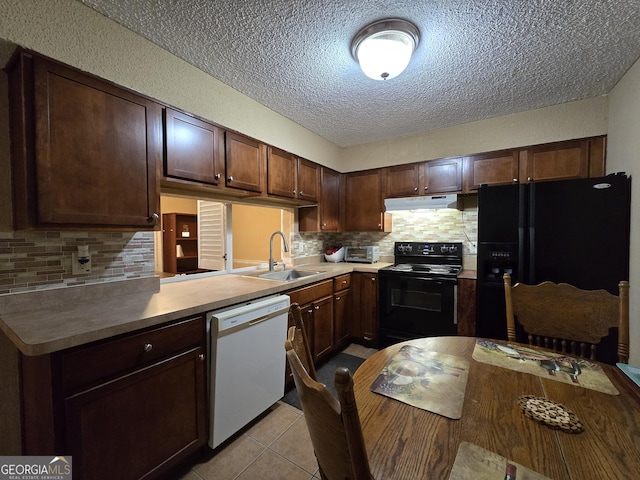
[(91, 364), (341, 282), (313, 292)]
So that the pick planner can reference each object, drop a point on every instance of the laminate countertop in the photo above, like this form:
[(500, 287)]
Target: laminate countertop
[(47, 321)]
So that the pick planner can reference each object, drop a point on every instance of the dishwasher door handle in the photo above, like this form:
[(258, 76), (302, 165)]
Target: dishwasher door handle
[(255, 321)]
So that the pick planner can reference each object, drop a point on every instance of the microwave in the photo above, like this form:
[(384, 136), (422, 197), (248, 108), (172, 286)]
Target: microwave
[(369, 254)]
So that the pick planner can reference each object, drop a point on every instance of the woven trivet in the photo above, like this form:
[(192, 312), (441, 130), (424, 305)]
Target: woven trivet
[(550, 413)]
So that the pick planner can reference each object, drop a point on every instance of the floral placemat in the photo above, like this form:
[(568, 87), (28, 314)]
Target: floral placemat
[(475, 463), (555, 366), (428, 380)]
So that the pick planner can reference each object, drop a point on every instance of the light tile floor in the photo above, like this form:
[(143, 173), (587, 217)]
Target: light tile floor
[(274, 446)]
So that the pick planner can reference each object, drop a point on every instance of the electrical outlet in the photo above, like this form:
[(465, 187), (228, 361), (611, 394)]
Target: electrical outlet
[(80, 265)]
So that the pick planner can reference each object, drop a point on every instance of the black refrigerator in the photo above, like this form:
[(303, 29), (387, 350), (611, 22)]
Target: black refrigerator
[(573, 231)]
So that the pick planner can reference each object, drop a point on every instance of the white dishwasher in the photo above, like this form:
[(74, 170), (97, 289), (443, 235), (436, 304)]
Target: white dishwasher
[(247, 363)]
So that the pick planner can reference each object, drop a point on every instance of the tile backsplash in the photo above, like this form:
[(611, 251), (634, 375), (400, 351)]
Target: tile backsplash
[(426, 225), (32, 261), (41, 260)]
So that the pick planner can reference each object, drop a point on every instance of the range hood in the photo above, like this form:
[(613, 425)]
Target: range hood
[(421, 203)]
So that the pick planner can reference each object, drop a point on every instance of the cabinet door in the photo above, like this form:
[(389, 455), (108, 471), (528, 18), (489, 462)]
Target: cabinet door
[(308, 180), (330, 201), (364, 209), (97, 149), (466, 307), (341, 317), (244, 162), (403, 180), (494, 168), (281, 173), (558, 161), (443, 176), (149, 419), (369, 307), (193, 149), (322, 327)]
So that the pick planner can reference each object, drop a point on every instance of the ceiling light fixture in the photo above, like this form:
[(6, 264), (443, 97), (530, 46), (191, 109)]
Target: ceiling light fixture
[(384, 48)]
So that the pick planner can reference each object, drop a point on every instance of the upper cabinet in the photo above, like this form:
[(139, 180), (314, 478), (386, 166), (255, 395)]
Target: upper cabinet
[(245, 162), (324, 217), (292, 177), (84, 151), (580, 158), (194, 149), (563, 160), (427, 178), (493, 168), (364, 202), (442, 176)]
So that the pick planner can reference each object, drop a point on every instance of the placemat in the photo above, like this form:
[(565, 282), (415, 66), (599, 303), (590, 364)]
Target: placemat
[(475, 463), (555, 366), (428, 380)]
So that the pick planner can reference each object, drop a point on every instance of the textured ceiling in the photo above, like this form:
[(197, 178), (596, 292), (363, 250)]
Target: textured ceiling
[(476, 59)]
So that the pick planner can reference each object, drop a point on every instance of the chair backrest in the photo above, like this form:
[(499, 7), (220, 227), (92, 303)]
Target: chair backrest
[(567, 319), (300, 340), (334, 425)]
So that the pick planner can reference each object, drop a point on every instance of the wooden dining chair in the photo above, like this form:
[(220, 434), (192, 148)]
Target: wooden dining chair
[(334, 425), (567, 319), (300, 340)]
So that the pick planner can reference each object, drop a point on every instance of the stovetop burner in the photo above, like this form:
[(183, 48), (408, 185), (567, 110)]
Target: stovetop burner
[(441, 260)]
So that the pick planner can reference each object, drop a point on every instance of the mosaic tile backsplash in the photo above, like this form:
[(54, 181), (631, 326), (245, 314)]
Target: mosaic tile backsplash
[(42, 260)]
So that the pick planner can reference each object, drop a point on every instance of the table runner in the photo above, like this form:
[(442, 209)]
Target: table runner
[(428, 380), (555, 366)]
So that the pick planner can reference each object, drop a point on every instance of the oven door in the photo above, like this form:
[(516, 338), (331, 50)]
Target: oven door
[(413, 306)]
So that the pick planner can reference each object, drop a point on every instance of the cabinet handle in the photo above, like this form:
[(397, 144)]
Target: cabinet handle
[(201, 356), (301, 192), (317, 307), (373, 279), (338, 298), (324, 225), (529, 179), (344, 282), (310, 310), (515, 180), (153, 218), (415, 189), (230, 178), (367, 338), (426, 188), (217, 176), (148, 347), (379, 225)]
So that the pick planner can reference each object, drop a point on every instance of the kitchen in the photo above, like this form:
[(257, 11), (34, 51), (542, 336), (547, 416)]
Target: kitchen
[(615, 115)]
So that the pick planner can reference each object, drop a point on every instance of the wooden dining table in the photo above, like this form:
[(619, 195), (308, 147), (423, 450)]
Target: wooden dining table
[(406, 442)]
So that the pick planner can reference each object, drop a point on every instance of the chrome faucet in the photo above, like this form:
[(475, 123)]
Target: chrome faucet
[(272, 262)]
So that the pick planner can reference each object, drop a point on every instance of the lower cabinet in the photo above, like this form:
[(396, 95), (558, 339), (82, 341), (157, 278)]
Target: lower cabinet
[(365, 308), (341, 311), (466, 307), (131, 407), (316, 302)]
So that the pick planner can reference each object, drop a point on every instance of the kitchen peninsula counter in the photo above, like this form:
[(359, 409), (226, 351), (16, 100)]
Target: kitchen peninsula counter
[(47, 321)]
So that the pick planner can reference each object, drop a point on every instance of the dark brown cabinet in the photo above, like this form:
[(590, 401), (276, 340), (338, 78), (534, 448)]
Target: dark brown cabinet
[(580, 158), (426, 178), (572, 159), (245, 162), (494, 168), (324, 217), (341, 311), (466, 307), (442, 176), (364, 202), (365, 307), (194, 149), (84, 151), (130, 407), (291, 177), (316, 302), (180, 243)]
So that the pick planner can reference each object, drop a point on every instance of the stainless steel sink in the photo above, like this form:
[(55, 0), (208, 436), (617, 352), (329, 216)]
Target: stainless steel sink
[(286, 275)]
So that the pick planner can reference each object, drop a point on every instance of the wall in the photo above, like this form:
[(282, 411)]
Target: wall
[(623, 154), (252, 228), (579, 119)]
